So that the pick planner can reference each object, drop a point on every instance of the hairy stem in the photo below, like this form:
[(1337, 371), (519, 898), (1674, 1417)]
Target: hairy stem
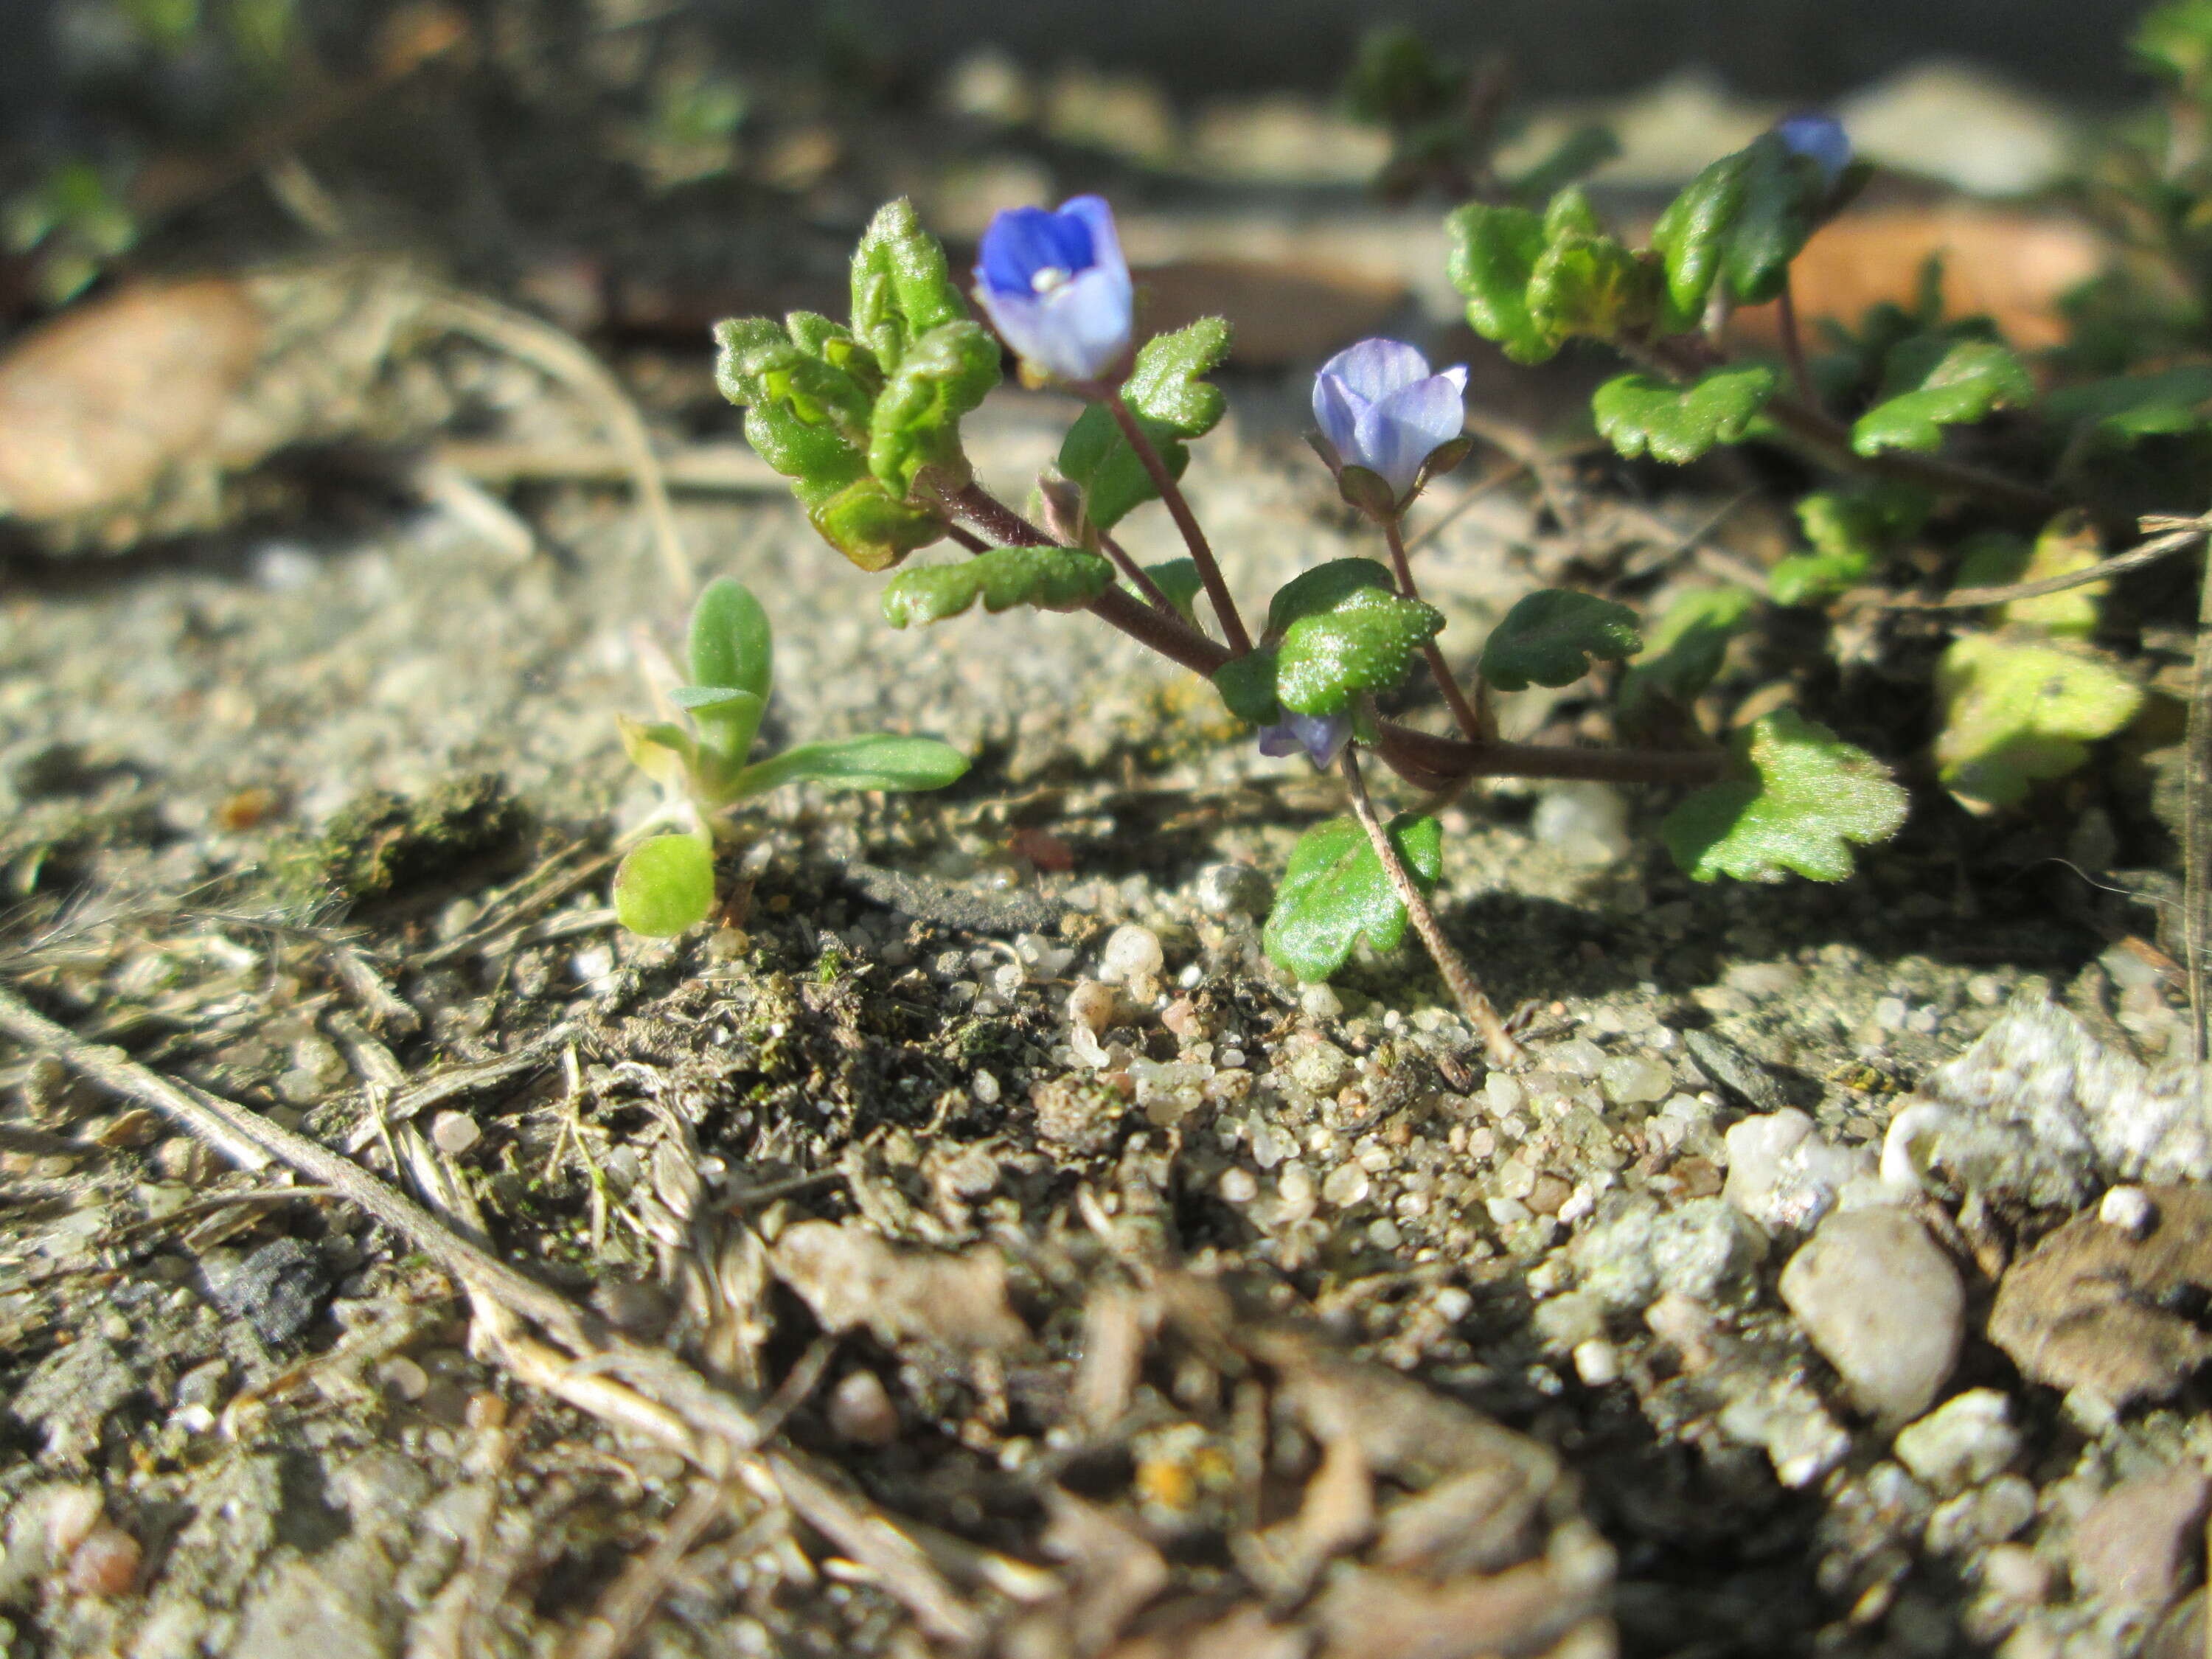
[(1422, 758), (1470, 721), (1466, 989), (1137, 575), (1170, 493)]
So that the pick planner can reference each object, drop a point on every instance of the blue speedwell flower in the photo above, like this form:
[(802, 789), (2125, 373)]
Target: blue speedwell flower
[(1320, 737), (1055, 287), (1820, 138), (1380, 408)]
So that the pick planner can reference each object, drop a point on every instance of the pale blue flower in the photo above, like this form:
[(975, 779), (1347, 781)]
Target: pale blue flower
[(1380, 408), (1820, 138), (1055, 287), (1320, 737)]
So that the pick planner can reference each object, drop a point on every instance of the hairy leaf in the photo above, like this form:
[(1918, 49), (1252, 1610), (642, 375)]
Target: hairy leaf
[(2017, 711), (882, 761), (1784, 195), (1247, 685), (1588, 283), (1049, 578), (1685, 648), (665, 884), (916, 422), (1550, 636), (1849, 529), (1179, 580), (1341, 629), (1335, 894), (866, 523), (1930, 384), (1801, 797), (1494, 253), (901, 288), (1678, 423)]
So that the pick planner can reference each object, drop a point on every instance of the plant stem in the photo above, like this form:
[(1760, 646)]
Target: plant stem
[(1137, 575), (1470, 721), (1466, 989), (1422, 758), (2196, 823), (1170, 493), (1793, 344)]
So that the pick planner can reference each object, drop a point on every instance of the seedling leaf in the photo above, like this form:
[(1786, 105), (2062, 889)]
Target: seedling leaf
[(1049, 578), (882, 761), (665, 884), (1638, 413), (1803, 797), (1335, 894), (2017, 711), (1550, 636)]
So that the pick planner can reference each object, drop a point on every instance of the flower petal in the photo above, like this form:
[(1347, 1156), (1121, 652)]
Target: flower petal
[(1821, 137), (1321, 737), (1085, 326), (1336, 411), (1376, 368), (1097, 219), (1022, 241)]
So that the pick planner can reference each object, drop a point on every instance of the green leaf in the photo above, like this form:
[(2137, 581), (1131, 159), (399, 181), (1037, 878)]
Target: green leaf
[(1550, 636), (2129, 408), (1172, 404), (1785, 197), (1931, 384), (1802, 797), (697, 699), (1641, 412), (1335, 894), (731, 650), (2016, 711), (1049, 578), (1691, 238), (2068, 543), (664, 752), (916, 421), (1179, 580), (1247, 685), (665, 884), (1587, 283), (1493, 255), (882, 761), (1341, 629), (1685, 647), (1571, 212), (902, 287), (1815, 577), (2177, 40), (1849, 529), (866, 523)]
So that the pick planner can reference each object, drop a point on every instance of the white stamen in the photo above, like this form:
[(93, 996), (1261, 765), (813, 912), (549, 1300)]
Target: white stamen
[(1048, 278)]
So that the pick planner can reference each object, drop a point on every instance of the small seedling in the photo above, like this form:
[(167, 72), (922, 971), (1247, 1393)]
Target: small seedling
[(700, 758)]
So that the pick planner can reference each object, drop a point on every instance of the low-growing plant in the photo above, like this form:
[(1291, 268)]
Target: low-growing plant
[(700, 759), (864, 416)]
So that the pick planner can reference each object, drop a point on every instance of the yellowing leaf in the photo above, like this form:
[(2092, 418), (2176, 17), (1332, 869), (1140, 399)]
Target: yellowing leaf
[(2018, 711), (1802, 797)]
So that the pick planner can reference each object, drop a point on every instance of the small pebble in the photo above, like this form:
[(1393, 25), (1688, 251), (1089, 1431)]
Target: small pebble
[(1233, 889), (862, 1412), (1597, 1362), (403, 1377), (1319, 1002), (1345, 1186), (1238, 1185), (454, 1133), (2129, 1210), (2132, 1549), (1882, 1304), (105, 1563), (1635, 1079), (1131, 952), (985, 1087), (1091, 1005), (1961, 1442)]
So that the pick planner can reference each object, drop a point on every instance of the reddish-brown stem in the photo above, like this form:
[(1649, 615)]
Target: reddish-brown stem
[(1137, 574), (1466, 989), (1793, 344), (1171, 495), (1422, 758), (1470, 722)]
